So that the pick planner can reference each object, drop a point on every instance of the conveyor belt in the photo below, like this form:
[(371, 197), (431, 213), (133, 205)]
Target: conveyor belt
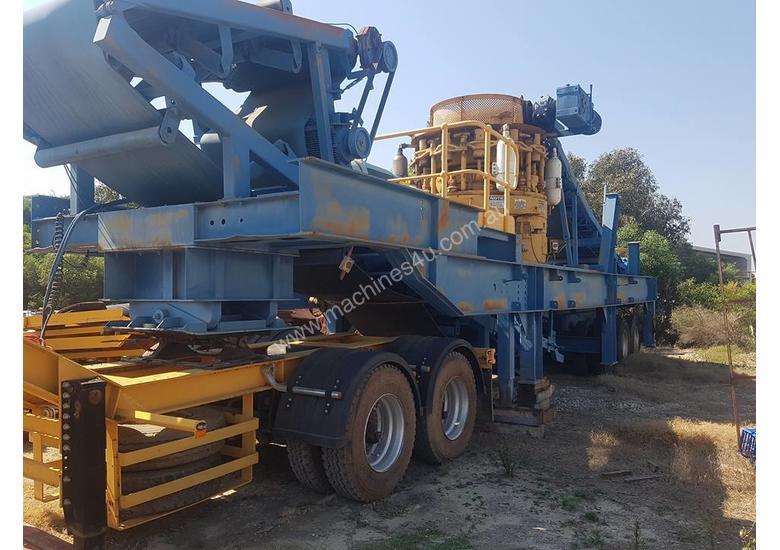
[(72, 94)]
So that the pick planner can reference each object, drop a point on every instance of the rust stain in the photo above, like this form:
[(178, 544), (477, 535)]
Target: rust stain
[(352, 222), (403, 239), (465, 307), (398, 231), (444, 215), (495, 304), (152, 230)]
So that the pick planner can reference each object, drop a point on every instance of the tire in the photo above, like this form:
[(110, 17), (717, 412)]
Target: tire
[(140, 436), (306, 463), (623, 340), (454, 381), (636, 335), (138, 481), (383, 393)]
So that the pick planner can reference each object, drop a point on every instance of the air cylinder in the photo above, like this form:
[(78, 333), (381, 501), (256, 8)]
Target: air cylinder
[(503, 150), (553, 180)]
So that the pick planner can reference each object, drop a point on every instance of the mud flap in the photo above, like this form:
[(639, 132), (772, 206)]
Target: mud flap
[(323, 421), (424, 355)]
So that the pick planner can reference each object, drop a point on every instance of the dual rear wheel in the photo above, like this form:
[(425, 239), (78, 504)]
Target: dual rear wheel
[(629, 337), (384, 430)]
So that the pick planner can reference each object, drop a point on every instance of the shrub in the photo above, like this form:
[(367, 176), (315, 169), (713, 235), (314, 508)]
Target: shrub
[(691, 293), (698, 326)]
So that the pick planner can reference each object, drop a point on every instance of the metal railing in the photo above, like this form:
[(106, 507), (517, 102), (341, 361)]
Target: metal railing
[(443, 150)]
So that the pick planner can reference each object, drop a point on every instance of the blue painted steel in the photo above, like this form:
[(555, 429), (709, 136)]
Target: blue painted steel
[(115, 36), (227, 265), (747, 443), (633, 258), (574, 110), (44, 206), (82, 193), (505, 353), (609, 226)]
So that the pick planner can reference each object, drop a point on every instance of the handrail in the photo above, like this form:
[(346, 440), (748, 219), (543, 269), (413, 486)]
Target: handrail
[(442, 151)]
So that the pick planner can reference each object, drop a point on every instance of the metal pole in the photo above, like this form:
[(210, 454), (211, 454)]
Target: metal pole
[(752, 248), (724, 308)]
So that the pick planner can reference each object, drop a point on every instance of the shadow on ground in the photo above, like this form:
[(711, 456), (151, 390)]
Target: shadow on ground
[(658, 415)]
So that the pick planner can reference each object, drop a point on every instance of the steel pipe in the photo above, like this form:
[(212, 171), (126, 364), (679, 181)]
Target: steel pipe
[(300, 390), (99, 147)]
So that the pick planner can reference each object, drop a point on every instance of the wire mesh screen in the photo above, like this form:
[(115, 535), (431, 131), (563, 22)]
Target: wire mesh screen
[(487, 108)]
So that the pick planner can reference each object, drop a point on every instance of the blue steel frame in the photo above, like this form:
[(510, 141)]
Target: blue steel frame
[(177, 257), (227, 265)]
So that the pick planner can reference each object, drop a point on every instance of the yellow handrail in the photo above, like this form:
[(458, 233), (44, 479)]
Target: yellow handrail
[(443, 153)]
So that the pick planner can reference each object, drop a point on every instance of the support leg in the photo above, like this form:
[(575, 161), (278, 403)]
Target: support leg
[(505, 359), (609, 336), (531, 365), (84, 461), (82, 191)]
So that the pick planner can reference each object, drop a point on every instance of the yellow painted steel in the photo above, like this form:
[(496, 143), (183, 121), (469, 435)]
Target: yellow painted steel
[(42, 471), (196, 427), (165, 489), (453, 159), (147, 390), (39, 424), (102, 316), (171, 447)]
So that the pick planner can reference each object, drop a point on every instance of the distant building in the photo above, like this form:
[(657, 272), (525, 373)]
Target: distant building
[(743, 261)]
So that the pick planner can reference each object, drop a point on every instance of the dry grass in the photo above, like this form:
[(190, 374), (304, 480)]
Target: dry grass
[(44, 515), (661, 379), (697, 326), (698, 450), (699, 458)]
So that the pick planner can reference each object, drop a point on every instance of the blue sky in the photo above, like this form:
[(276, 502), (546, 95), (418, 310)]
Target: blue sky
[(675, 80)]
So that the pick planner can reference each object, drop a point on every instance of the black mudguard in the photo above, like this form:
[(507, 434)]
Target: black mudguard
[(425, 354), (321, 421)]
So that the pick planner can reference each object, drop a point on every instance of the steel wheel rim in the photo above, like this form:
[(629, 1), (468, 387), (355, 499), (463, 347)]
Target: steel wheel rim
[(455, 408), (383, 435)]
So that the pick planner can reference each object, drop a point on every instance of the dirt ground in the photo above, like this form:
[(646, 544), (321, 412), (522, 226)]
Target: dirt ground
[(664, 413)]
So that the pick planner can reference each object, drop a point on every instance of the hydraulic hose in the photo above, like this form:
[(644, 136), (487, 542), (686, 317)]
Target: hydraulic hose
[(54, 282)]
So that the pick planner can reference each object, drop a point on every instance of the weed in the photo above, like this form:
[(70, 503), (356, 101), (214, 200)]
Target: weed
[(588, 538), (592, 517), (570, 502), (748, 537), (509, 458)]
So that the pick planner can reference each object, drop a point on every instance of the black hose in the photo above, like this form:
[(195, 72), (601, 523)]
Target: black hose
[(52, 286)]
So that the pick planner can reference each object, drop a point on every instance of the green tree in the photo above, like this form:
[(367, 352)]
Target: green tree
[(82, 279), (104, 194), (624, 171), (578, 166), (657, 258)]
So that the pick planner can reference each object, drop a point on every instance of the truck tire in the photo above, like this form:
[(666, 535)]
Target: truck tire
[(623, 340), (138, 481), (380, 438), (140, 436), (445, 432), (306, 463), (186, 497), (636, 335)]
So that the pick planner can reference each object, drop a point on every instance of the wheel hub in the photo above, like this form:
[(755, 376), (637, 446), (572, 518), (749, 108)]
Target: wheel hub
[(455, 408), (384, 433)]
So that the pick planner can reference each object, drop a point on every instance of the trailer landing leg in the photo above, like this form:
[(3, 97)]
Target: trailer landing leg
[(84, 461)]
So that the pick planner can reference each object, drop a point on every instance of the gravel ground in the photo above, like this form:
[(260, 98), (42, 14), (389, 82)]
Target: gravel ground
[(556, 499)]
